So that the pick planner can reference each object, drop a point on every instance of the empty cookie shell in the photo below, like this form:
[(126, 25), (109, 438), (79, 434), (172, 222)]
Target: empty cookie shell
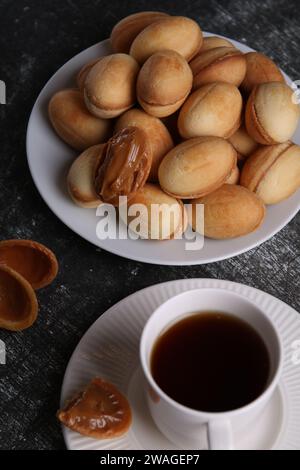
[(176, 33), (100, 411), (273, 172), (158, 136), (164, 82), (243, 143), (32, 260), (18, 302), (126, 30), (260, 69), (271, 115), (73, 122), (197, 167), (81, 177), (160, 216), (109, 87), (221, 64), (212, 110), (230, 211)]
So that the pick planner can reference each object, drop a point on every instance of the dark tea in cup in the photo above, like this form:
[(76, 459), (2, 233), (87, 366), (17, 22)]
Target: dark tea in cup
[(211, 361)]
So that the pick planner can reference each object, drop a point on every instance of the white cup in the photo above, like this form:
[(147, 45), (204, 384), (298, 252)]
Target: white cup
[(193, 429)]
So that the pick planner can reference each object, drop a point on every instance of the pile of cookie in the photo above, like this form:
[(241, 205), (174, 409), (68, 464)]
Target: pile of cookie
[(172, 117)]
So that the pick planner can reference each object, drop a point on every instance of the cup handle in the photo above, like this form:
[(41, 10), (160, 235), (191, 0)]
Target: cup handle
[(220, 435)]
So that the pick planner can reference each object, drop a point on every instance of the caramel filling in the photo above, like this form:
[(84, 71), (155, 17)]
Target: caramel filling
[(126, 166)]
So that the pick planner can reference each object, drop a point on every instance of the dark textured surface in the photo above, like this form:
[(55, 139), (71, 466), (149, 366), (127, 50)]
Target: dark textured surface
[(36, 38)]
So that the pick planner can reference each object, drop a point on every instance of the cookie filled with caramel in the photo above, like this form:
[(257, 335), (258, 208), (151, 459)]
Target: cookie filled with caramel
[(126, 165), (157, 134)]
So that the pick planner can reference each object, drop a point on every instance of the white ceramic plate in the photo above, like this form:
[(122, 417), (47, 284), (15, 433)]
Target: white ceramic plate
[(49, 159), (110, 348)]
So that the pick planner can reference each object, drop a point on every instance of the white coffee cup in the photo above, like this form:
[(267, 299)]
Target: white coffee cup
[(193, 429)]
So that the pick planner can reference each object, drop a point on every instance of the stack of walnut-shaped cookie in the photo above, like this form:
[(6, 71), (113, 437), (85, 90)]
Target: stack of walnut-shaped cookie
[(171, 116)]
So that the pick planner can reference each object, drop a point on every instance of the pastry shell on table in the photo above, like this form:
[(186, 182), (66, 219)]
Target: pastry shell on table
[(273, 172), (165, 217), (32, 260), (109, 88), (230, 211), (243, 143), (18, 302), (221, 64), (164, 82), (126, 30), (81, 177), (176, 33), (271, 115), (212, 110), (196, 167), (158, 136), (74, 123), (260, 69)]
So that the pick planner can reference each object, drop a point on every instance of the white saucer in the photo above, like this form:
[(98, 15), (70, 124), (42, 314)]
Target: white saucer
[(49, 160), (110, 349)]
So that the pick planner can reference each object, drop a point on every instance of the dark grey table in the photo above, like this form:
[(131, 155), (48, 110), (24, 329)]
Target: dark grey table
[(37, 38)]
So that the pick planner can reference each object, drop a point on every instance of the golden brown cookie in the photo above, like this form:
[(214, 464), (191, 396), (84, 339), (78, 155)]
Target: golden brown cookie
[(160, 216), (126, 30), (214, 109), (221, 64), (230, 211), (273, 172), (176, 33), (164, 82), (74, 123), (211, 42), (243, 143), (109, 88), (271, 115), (260, 69), (84, 71), (196, 167)]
